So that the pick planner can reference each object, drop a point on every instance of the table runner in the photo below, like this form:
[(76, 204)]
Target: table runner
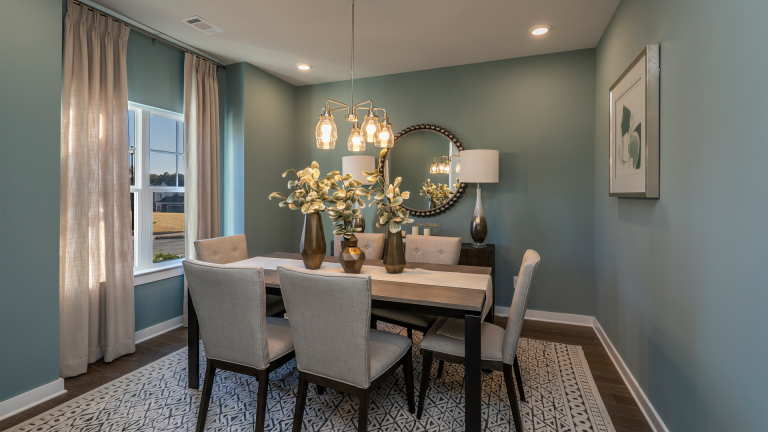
[(414, 276)]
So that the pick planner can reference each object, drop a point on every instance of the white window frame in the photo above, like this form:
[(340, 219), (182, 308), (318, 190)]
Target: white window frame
[(144, 269)]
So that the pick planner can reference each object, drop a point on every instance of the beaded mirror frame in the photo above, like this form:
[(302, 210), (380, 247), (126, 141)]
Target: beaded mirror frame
[(460, 190)]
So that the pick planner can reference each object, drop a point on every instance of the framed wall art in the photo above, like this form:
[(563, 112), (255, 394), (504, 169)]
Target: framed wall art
[(634, 129)]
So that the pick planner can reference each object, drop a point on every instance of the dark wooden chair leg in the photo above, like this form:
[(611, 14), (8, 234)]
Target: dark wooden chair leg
[(512, 398), (373, 323), (210, 374), (440, 369), (408, 376), (301, 400), (362, 421), (426, 371), (410, 333), (519, 379), (320, 389), (261, 402)]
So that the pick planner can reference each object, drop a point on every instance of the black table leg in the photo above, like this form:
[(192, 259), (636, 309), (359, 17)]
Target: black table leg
[(193, 345), (474, 386)]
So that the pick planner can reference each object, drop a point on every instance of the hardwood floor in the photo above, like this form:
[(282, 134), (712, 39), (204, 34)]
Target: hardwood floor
[(622, 408)]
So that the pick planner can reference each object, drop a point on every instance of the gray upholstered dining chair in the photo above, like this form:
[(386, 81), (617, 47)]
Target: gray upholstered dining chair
[(372, 244), (237, 335), (226, 250), (335, 348), (444, 341), (421, 249)]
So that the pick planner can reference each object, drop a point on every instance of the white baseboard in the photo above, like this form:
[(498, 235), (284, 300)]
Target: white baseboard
[(158, 329), (556, 317), (31, 398), (642, 401)]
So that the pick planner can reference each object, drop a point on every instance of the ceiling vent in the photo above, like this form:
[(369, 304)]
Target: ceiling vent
[(202, 25)]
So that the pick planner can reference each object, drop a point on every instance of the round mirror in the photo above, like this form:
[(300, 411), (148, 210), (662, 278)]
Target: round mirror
[(427, 159)]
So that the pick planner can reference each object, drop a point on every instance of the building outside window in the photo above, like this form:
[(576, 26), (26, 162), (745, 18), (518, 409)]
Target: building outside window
[(156, 165)]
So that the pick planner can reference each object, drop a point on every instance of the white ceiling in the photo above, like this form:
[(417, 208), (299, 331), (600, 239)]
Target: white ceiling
[(392, 36)]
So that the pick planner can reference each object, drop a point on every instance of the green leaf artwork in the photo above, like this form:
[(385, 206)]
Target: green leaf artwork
[(629, 150)]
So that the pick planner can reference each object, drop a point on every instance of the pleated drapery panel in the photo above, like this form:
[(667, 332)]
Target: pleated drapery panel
[(201, 158), (96, 257)]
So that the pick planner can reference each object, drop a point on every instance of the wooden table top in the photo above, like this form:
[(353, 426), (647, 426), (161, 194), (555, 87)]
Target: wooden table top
[(427, 295)]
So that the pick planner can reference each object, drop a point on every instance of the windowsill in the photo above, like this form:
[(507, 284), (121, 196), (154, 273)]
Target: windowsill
[(157, 271)]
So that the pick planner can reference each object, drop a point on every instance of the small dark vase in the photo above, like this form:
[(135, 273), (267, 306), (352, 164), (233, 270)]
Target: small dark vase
[(351, 257), (394, 255), (312, 244), (359, 222), (431, 205)]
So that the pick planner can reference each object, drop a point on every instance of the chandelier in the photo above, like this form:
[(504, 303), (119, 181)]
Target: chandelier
[(444, 167), (371, 131)]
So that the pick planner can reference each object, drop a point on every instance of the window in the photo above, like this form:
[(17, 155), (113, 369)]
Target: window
[(156, 166)]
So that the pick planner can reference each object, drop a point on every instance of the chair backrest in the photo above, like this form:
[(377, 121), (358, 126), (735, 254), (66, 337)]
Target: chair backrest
[(330, 318), (230, 303), (371, 244), (433, 250), (528, 269), (222, 250)]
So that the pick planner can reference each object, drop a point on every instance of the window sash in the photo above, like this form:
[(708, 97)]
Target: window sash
[(143, 208)]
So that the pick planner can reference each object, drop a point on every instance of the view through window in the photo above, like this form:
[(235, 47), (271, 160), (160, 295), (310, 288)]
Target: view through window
[(156, 161)]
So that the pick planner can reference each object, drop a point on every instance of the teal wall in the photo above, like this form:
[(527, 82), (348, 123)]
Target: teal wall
[(158, 301), (30, 119), (155, 73), (231, 152), (681, 281), (539, 113), (266, 123)]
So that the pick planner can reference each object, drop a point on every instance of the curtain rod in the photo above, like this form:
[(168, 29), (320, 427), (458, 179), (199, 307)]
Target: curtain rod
[(154, 37)]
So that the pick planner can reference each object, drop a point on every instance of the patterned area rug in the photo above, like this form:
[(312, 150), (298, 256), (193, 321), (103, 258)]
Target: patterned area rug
[(561, 396)]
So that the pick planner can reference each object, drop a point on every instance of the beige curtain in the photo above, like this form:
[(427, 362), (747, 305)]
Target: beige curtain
[(201, 158), (96, 258)]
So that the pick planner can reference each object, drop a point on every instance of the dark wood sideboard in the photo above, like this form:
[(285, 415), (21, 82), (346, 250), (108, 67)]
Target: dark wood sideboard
[(481, 257)]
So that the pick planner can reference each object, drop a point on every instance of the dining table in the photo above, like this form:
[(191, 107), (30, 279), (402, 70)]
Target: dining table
[(422, 288)]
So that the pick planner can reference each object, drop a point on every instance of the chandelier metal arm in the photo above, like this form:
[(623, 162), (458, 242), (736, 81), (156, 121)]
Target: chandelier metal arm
[(345, 106)]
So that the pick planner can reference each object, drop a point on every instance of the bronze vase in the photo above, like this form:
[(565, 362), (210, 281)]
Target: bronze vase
[(394, 255), (312, 244), (351, 257)]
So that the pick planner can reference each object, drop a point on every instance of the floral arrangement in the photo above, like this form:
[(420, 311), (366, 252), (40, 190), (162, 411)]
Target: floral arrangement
[(342, 202), (309, 191), (438, 194), (389, 201)]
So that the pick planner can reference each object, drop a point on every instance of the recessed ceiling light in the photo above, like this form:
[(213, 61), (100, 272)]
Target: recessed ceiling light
[(540, 29), (304, 66)]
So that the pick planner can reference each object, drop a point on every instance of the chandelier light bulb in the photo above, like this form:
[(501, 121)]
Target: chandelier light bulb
[(325, 132), (355, 143), (433, 168), (458, 167)]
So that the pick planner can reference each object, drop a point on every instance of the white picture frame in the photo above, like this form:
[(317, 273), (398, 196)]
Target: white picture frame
[(633, 145)]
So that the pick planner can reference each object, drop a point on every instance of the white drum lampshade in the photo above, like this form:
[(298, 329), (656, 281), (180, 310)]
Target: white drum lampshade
[(479, 166), (355, 165)]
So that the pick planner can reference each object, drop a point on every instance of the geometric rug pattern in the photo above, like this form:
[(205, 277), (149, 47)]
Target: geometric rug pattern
[(561, 396)]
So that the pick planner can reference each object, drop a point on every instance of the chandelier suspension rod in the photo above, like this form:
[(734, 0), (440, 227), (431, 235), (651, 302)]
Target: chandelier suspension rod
[(352, 68)]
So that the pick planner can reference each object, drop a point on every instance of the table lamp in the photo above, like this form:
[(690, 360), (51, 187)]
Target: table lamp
[(355, 165), (479, 166)]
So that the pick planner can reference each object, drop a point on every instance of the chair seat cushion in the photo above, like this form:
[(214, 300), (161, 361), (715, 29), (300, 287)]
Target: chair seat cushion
[(491, 340), (420, 320), (274, 305), (386, 349), (279, 338)]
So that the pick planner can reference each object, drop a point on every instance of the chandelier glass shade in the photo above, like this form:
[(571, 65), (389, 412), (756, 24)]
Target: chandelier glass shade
[(326, 132), (355, 142)]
